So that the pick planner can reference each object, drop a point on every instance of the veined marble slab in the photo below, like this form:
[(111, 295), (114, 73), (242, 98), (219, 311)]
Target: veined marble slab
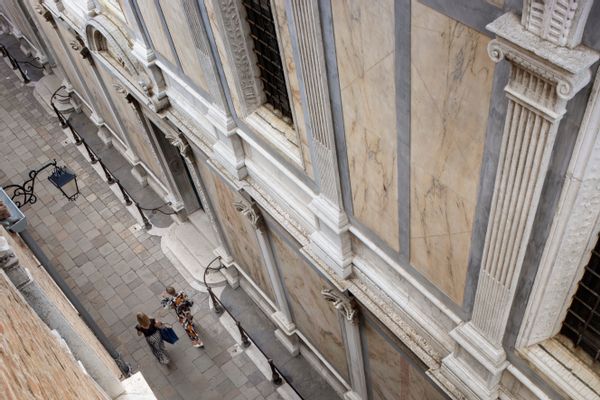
[(240, 234), (392, 376), (451, 83), (312, 314), (364, 37)]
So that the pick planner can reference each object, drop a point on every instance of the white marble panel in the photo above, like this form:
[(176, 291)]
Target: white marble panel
[(364, 34), (451, 82), (136, 132)]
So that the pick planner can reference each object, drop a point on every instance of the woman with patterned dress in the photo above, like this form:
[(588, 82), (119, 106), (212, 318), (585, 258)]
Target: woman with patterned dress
[(150, 328), (182, 305)]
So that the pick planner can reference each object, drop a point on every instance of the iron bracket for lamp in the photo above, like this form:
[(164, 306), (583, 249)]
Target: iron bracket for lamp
[(24, 194)]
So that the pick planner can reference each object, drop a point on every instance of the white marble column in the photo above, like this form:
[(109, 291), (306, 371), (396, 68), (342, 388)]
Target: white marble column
[(331, 241), (283, 316), (545, 75), (351, 332)]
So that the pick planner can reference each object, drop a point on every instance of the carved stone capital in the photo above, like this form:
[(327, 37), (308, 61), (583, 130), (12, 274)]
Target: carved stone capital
[(341, 303), (566, 70), (250, 211), (178, 140)]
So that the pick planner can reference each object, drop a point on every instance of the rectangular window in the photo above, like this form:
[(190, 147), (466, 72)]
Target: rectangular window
[(266, 48), (582, 323)]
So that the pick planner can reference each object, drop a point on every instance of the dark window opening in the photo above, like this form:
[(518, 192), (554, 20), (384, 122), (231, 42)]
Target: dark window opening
[(266, 48), (582, 323)]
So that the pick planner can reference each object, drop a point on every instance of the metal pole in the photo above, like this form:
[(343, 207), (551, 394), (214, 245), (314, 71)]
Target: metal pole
[(76, 136), (109, 179), (216, 305), (275, 377), (146, 222), (83, 313), (243, 335), (125, 196), (93, 159)]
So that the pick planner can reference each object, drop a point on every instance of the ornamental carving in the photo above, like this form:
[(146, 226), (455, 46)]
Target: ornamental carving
[(238, 45), (558, 21), (179, 141), (250, 211), (341, 303)]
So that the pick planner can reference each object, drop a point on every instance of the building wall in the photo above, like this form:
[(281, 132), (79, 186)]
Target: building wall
[(56, 297), (389, 203), (27, 345), (313, 316), (451, 83)]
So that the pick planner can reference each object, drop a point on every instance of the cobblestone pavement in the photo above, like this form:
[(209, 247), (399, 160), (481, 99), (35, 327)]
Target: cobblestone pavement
[(115, 271)]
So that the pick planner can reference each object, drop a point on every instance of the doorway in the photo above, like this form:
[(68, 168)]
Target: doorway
[(180, 172)]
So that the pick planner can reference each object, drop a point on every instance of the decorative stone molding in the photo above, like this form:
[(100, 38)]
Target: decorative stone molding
[(341, 303), (331, 239), (543, 78), (178, 140), (231, 18), (104, 36), (283, 318), (572, 235), (558, 21)]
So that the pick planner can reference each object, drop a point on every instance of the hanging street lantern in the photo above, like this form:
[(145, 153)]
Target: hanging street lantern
[(66, 181), (61, 177)]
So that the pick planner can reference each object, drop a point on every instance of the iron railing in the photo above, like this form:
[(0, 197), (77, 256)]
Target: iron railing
[(16, 64), (246, 340), (111, 179)]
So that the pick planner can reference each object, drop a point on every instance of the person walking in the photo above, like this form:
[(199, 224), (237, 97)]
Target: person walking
[(182, 305), (150, 328)]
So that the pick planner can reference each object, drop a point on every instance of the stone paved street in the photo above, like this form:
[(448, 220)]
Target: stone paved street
[(115, 271)]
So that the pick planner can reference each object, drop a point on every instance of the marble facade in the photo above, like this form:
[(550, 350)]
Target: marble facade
[(392, 375), (97, 100), (188, 54), (348, 204), (312, 315), (239, 233), (364, 34), (156, 31), (451, 82), (136, 131)]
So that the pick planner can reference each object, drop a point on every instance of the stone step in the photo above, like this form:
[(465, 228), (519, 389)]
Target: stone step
[(190, 251), (43, 91)]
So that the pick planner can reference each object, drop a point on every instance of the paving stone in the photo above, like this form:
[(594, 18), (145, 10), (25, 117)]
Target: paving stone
[(115, 272)]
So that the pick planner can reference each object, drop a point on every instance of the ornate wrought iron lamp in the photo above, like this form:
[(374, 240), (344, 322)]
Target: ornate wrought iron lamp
[(61, 177)]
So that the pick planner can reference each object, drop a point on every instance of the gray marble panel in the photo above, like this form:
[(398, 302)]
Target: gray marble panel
[(487, 176), (402, 10), (333, 81)]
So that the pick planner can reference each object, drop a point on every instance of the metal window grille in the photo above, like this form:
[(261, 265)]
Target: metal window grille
[(266, 48), (582, 323)]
